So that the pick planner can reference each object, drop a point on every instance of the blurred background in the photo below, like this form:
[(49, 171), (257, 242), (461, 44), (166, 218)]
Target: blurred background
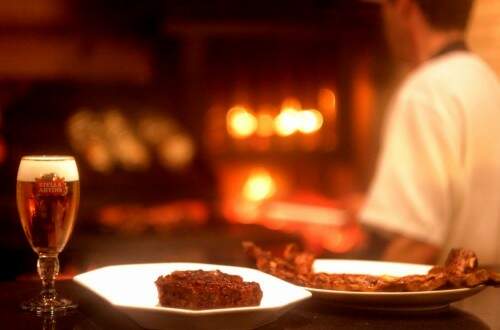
[(198, 124)]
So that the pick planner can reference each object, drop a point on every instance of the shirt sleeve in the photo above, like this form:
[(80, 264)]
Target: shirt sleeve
[(411, 191)]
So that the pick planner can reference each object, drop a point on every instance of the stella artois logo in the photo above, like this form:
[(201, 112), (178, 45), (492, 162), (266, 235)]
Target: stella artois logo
[(50, 185)]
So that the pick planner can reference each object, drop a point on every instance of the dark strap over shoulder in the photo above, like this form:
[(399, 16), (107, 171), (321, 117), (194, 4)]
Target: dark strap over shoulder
[(451, 47)]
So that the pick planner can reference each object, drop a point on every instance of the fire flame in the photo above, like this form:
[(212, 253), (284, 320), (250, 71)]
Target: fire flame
[(265, 125), (310, 121), (287, 122), (291, 120), (259, 186), (241, 123)]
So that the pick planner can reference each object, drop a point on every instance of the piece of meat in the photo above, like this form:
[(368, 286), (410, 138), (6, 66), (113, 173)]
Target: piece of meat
[(347, 282), (460, 261), (302, 261), (295, 267), (206, 289), (460, 270), (420, 282), (437, 270), (369, 283), (494, 279), (476, 278)]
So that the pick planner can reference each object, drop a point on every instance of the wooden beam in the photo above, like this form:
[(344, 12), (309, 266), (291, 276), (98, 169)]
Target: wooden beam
[(238, 29), (33, 13), (27, 57)]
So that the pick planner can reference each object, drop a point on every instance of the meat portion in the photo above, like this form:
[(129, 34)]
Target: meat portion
[(460, 270), (347, 282), (475, 278), (200, 289), (302, 261), (460, 261), (413, 283), (294, 266), (494, 279)]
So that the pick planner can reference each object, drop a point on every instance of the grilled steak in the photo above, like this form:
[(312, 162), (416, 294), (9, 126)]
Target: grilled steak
[(206, 289)]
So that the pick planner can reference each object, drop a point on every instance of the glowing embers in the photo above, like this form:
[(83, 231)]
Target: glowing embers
[(310, 121), (241, 123), (290, 121), (174, 147), (265, 124), (327, 102), (259, 186), (162, 217), (287, 122), (111, 139)]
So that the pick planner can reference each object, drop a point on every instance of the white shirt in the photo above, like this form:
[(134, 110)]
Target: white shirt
[(438, 174)]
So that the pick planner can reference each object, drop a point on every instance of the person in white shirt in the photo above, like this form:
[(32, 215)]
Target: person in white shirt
[(437, 182)]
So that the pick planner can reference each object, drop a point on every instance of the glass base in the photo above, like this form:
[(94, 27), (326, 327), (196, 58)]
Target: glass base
[(42, 306)]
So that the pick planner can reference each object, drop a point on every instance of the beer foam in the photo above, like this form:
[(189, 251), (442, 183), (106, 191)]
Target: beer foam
[(33, 167)]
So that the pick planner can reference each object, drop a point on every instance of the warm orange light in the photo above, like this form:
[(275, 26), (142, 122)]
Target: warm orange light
[(309, 121), (287, 122), (291, 102), (240, 122), (326, 99), (259, 186), (265, 127)]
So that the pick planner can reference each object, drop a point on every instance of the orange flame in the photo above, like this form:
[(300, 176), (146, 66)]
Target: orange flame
[(241, 123)]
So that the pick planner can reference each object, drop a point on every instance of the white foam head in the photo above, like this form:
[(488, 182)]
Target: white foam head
[(32, 167)]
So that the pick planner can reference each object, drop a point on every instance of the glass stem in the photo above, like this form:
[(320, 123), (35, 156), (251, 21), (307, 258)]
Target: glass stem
[(49, 322), (48, 268)]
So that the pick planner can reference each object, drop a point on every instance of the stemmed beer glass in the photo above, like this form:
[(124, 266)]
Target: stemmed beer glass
[(48, 195)]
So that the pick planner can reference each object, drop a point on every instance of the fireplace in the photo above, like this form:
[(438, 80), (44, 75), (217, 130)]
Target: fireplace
[(211, 117)]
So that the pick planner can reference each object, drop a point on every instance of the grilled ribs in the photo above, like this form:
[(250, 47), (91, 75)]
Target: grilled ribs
[(460, 270), (294, 266)]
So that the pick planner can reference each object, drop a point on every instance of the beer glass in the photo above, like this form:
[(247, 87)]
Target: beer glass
[(48, 194)]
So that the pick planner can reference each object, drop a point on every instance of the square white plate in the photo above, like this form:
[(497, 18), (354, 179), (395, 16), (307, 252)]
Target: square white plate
[(131, 289), (389, 301)]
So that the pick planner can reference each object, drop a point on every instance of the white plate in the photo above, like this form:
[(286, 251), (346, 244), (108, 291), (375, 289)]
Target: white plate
[(132, 290), (391, 301)]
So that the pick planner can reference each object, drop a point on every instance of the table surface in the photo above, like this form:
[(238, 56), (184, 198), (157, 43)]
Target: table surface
[(219, 246), (476, 313)]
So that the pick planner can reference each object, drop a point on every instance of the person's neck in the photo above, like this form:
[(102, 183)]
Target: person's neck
[(429, 42)]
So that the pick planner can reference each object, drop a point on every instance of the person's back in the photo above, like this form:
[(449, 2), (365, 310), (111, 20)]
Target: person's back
[(437, 183), (471, 90), (457, 97)]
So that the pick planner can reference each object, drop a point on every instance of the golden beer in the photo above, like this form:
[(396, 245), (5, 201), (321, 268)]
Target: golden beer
[(47, 194), (47, 220)]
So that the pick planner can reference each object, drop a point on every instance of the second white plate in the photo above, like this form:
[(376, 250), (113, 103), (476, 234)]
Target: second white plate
[(387, 301)]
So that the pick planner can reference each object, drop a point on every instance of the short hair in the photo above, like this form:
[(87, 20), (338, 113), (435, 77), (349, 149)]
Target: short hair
[(446, 14)]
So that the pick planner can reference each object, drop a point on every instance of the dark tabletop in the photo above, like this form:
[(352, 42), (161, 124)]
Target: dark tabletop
[(479, 312), (219, 246)]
